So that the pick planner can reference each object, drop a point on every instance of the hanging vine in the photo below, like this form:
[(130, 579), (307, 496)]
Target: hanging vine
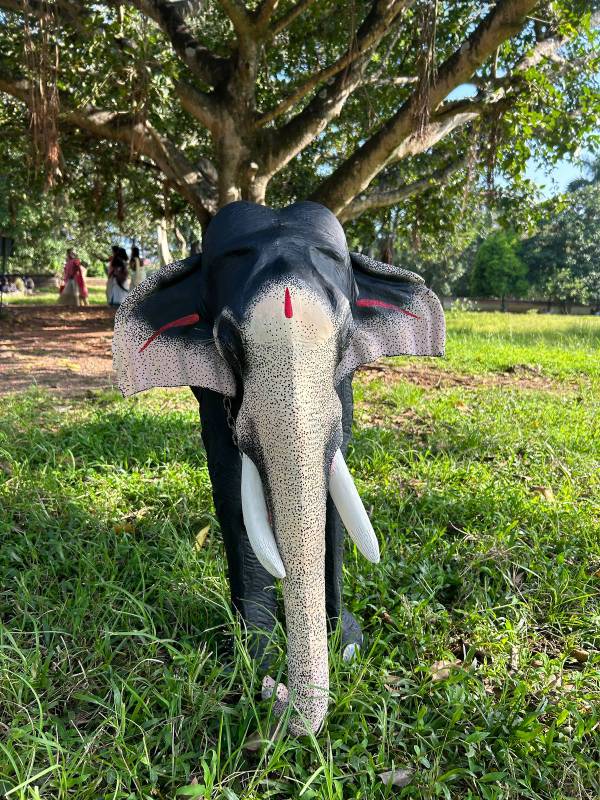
[(42, 60), (491, 138), (416, 223), (120, 201), (426, 63), (140, 76), (473, 155)]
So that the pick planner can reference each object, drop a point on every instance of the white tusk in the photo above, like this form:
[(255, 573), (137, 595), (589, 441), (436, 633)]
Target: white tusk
[(350, 652), (256, 520), (351, 509)]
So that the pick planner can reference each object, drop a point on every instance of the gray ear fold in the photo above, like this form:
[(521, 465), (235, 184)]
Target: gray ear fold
[(394, 314), (161, 338)]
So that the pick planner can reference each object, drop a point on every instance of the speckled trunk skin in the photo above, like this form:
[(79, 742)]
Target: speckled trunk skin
[(290, 425)]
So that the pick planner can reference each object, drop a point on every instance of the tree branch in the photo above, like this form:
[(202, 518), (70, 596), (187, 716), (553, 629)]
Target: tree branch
[(545, 49), (204, 64), (398, 80), (374, 27), (280, 145), (200, 105), (264, 12), (286, 19), (122, 127), (389, 197), (239, 16), (396, 135)]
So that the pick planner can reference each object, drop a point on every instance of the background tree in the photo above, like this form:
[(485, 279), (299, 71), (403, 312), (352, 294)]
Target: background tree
[(101, 199), (592, 168), (349, 103), (564, 289), (567, 242), (498, 271)]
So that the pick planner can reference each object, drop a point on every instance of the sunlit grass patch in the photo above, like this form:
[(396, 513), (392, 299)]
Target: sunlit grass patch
[(49, 296), (558, 345)]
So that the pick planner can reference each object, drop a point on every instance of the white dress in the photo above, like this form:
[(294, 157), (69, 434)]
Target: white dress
[(138, 274), (115, 294)]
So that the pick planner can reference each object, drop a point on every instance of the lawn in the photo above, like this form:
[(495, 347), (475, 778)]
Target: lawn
[(123, 674), (49, 296)]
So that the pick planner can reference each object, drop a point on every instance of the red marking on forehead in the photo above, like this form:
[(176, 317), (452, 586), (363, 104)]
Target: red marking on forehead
[(289, 311), (190, 319), (381, 304)]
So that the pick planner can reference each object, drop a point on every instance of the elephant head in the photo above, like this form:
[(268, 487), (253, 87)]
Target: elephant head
[(277, 311)]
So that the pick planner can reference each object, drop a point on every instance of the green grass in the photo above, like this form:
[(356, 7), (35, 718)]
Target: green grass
[(118, 677), (49, 297), (561, 346)]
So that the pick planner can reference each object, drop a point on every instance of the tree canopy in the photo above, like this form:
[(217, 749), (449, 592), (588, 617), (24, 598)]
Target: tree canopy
[(498, 271), (563, 256), (357, 104)]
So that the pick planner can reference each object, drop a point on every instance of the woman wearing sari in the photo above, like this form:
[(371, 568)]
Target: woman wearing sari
[(117, 285), (73, 291)]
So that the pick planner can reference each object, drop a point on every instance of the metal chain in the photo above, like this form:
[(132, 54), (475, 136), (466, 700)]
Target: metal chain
[(230, 419)]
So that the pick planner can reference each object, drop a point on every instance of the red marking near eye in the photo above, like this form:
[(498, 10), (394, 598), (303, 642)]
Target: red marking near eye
[(190, 319), (381, 304), (289, 312)]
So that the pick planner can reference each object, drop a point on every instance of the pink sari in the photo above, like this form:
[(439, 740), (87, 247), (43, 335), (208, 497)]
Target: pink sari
[(73, 287)]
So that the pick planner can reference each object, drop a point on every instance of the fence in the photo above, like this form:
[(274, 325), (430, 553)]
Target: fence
[(517, 306)]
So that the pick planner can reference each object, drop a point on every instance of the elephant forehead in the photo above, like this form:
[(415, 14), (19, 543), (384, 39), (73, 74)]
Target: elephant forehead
[(286, 313), (246, 224)]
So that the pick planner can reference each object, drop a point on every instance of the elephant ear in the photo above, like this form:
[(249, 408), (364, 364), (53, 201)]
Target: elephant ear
[(161, 338), (394, 314)]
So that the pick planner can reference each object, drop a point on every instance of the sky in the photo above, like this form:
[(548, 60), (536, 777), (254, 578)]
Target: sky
[(554, 177)]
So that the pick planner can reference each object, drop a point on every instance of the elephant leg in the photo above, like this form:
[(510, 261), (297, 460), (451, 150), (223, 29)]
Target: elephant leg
[(334, 543), (252, 592)]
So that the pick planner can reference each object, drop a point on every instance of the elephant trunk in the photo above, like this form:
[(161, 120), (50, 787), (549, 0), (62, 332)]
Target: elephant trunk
[(293, 463), (289, 428), (299, 522)]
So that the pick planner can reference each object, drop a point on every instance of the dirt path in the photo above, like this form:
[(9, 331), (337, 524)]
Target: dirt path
[(69, 352), (66, 350), (434, 377)]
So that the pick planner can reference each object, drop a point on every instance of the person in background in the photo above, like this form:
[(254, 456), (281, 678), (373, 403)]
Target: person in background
[(20, 284), (136, 268), (73, 291), (29, 285), (117, 285), (115, 262)]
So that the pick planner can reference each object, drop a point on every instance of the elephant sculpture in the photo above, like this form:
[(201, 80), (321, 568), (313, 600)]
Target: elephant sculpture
[(268, 325)]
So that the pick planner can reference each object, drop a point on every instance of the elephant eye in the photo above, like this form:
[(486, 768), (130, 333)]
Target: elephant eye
[(330, 253), (239, 252)]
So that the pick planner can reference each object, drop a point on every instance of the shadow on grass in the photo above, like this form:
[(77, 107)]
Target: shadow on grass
[(124, 438)]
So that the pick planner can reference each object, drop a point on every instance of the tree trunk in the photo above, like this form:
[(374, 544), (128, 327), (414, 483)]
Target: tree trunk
[(183, 248), (164, 253)]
